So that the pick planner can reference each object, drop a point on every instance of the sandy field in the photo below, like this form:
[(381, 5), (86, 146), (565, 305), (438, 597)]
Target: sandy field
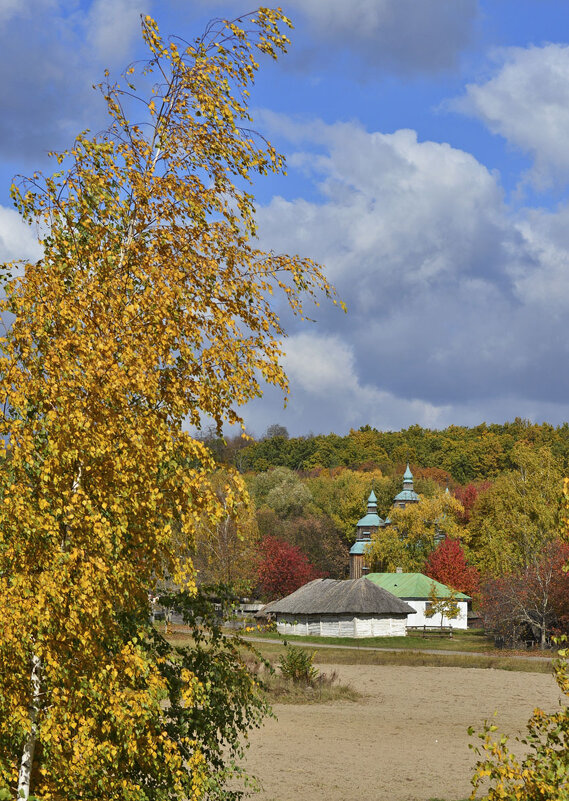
[(406, 740)]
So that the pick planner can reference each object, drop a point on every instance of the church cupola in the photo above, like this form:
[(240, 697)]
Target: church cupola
[(408, 494), (365, 528)]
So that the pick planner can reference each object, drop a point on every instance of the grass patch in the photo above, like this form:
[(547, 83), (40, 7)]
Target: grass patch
[(471, 640), (316, 687), (341, 656), (494, 660), (324, 689)]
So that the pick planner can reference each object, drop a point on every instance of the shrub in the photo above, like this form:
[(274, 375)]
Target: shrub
[(298, 665), (542, 775)]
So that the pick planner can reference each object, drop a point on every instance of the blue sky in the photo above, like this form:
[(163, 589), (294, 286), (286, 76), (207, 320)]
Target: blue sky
[(428, 169)]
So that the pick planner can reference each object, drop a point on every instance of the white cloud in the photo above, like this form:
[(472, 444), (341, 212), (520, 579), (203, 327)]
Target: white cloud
[(319, 365), (328, 394), (455, 305), (18, 241), (408, 213), (527, 102)]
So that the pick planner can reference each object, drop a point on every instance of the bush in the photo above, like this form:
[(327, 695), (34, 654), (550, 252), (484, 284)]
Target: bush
[(543, 774), (298, 665)]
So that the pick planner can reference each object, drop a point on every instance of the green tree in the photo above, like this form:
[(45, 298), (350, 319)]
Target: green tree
[(363, 449), (342, 496), (542, 772), (281, 490), (519, 514), (444, 605), (150, 307), (414, 533)]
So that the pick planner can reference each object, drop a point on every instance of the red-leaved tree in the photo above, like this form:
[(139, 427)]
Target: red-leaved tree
[(534, 600), (468, 494), (447, 564), (282, 569)]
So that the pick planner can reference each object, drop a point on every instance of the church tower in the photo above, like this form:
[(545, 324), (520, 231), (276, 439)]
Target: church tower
[(365, 527), (408, 494)]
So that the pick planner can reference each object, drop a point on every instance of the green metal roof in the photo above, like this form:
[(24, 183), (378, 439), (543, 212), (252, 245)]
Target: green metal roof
[(407, 495), (408, 475), (411, 585), (359, 547), (372, 500), (370, 519)]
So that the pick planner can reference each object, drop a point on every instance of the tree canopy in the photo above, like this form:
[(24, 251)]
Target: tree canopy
[(414, 533), (518, 515), (151, 307)]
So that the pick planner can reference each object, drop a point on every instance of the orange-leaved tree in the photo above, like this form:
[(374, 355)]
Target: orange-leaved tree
[(150, 307)]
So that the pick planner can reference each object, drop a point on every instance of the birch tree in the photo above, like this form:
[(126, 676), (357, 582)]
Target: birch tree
[(150, 308)]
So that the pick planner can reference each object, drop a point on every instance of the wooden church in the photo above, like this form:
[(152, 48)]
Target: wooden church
[(371, 522)]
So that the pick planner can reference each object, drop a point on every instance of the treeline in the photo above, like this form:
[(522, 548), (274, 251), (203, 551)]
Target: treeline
[(501, 536), (466, 454)]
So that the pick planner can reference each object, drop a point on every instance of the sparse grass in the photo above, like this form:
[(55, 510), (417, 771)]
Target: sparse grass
[(357, 655), (320, 688), (324, 689), (470, 640), (344, 656)]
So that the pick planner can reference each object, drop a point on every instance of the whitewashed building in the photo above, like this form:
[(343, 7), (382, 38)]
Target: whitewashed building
[(415, 589), (332, 608)]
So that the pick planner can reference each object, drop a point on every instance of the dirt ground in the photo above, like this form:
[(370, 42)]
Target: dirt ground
[(406, 740)]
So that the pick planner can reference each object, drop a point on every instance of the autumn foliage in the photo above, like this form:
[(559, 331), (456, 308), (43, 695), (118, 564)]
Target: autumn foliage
[(467, 496), (151, 307), (447, 564), (283, 568), (532, 602), (541, 771)]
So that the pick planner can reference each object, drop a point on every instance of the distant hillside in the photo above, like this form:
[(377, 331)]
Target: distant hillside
[(464, 454)]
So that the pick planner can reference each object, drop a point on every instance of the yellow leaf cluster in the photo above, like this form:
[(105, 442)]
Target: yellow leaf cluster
[(150, 309)]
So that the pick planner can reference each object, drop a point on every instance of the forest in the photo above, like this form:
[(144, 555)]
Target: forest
[(490, 522)]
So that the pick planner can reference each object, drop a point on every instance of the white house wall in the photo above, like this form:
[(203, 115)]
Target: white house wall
[(342, 626), (420, 619)]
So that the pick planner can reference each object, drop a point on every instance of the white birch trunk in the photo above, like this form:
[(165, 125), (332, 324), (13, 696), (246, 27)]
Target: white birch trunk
[(27, 760)]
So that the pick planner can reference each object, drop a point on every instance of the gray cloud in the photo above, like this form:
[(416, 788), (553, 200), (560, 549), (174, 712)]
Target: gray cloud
[(401, 35), (51, 52), (454, 304), (404, 36)]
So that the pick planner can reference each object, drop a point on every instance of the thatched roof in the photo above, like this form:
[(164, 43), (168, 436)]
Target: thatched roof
[(332, 597)]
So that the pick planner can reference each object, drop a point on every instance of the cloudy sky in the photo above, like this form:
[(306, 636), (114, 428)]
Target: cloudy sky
[(427, 144)]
